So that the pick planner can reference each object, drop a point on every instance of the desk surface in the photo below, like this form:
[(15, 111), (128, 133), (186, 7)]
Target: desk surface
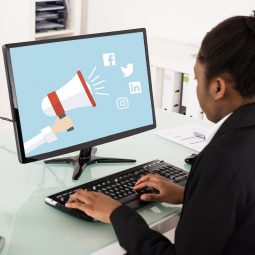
[(31, 227)]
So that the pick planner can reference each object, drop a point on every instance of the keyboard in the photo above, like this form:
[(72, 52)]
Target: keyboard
[(119, 186)]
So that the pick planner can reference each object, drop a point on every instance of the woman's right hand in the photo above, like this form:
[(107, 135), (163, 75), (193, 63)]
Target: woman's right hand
[(169, 192)]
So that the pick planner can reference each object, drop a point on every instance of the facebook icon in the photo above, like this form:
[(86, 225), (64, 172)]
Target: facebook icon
[(109, 59)]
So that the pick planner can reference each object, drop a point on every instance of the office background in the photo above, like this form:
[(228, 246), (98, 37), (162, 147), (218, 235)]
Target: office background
[(180, 21)]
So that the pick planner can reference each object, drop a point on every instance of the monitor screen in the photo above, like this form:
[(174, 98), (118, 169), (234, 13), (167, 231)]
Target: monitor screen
[(77, 92)]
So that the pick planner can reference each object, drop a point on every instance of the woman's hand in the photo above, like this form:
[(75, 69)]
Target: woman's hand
[(169, 192), (94, 204)]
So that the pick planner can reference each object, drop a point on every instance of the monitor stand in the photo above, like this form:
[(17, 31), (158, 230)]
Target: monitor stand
[(85, 158)]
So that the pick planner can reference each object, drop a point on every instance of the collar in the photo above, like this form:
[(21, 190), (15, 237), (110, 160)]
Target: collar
[(243, 117), (212, 131)]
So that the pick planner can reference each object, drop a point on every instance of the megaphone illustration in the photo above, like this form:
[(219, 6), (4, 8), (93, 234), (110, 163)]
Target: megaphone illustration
[(76, 93)]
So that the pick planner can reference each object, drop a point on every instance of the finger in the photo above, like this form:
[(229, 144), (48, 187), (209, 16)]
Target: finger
[(153, 177), (80, 195), (82, 207), (150, 184), (160, 177), (150, 197), (144, 178), (77, 205), (141, 185), (157, 177)]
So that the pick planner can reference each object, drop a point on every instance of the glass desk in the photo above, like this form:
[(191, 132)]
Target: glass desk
[(32, 227)]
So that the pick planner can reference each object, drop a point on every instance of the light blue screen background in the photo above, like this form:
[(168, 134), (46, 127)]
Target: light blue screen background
[(41, 69)]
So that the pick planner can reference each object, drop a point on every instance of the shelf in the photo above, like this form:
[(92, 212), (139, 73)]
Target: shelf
[(53, 33), (72, 24), (175, 56)]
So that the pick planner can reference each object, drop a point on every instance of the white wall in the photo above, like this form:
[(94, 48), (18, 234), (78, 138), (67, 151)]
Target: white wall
[(184, 21), (14, 27)]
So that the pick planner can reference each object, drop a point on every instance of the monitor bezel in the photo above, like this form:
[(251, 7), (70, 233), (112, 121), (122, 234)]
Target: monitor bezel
[(14, 105)]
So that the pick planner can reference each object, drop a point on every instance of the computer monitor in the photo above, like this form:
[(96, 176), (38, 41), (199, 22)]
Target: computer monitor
[(73, 93)]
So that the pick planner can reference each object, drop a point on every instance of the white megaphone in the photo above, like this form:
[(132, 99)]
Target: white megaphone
[(74, 94)]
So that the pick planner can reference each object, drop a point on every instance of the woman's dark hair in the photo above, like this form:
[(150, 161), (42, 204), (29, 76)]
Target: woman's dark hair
[(229, 48)]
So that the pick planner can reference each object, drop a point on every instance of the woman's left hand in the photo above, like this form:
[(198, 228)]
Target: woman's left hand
[(94, 204)]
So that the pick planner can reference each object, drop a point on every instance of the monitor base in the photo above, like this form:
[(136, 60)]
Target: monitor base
[(85, 158)]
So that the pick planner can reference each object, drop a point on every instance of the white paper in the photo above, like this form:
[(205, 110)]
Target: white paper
[(185, 136)]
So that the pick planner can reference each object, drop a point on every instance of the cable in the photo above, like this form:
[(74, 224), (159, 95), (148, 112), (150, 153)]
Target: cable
[(6, 119)]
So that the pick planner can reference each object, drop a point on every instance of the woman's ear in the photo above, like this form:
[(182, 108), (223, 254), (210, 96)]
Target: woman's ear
[(218, 88)]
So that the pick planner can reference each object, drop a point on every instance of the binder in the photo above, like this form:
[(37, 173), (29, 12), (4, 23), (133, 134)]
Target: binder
[(189, 102), (171, 90), (184, 93)]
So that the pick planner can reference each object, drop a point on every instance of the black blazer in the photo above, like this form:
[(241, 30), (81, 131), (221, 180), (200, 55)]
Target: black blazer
[(218, 214)]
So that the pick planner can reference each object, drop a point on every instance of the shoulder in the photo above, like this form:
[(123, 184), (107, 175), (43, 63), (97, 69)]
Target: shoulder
[(228, 161), (213, 163)]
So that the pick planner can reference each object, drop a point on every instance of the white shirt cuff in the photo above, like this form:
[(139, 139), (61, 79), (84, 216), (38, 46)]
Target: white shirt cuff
[(48, 134)]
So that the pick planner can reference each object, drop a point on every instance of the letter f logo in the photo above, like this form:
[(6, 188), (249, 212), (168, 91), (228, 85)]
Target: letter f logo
[(109, 59)]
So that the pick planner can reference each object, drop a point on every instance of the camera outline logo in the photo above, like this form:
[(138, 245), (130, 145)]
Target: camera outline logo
[(122, 103)]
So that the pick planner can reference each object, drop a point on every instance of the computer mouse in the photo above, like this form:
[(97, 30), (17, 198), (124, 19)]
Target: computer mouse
[(190, 159)]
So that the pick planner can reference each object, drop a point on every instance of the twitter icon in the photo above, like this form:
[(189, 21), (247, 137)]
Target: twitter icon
[(127, 71)]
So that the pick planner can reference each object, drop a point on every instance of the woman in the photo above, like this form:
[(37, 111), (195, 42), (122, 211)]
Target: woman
[(218, 214)]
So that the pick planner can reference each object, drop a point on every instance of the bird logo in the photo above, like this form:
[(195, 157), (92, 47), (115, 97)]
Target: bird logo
[(127, 71)]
